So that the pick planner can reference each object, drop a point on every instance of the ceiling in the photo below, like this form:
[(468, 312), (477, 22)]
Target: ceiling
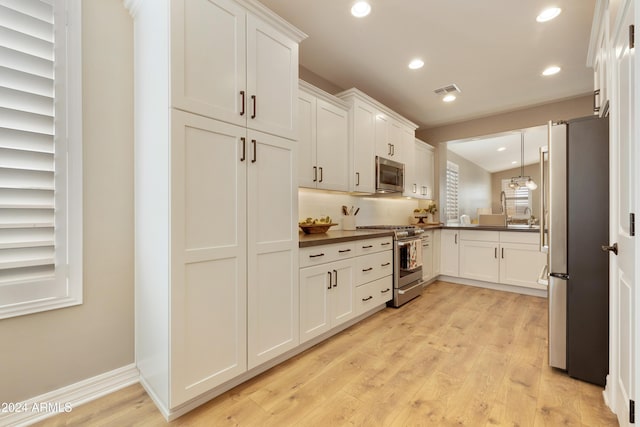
[(484, 151), (493, 50)]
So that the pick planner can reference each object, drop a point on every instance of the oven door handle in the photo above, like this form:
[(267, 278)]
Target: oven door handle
[(404, 291)]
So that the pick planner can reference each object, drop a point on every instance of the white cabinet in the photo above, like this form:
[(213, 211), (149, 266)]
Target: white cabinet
[(521, 260), (479, 255), (216, 254), (601, 69), (326, 297), (343, 280), (436, 251), (374, 130), (510, 258), (449, 258), (419, 182), (323, 140), (428, 271), (229, 64)]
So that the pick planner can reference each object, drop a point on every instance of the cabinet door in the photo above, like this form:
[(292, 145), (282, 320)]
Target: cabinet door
[(429, 166), (307, 171), (315, 290), (363, 128), (436, 252), (479, 260), (332, 145), (396, 139), (382, 135), (208, 57), (411, 164), (272, 213), (449, 252), (427, 255), (208, 255), (342, 307), (272, 80), (521, 264)]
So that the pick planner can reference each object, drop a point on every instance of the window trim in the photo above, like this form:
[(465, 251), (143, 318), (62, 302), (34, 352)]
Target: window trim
[(451, 168), (68, 157)]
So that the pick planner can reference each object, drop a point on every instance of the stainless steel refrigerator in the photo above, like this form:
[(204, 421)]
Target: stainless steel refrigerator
[(575, 227)]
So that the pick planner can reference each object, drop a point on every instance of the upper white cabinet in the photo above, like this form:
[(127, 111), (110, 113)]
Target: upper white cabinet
[(375, 130), (229, 64), (601, 68), (419, 182), (323, 140), (216, 254)]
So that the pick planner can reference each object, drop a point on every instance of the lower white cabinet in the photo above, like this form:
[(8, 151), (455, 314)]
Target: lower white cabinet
[(326, 297), (449, 258), (510, 258), (343, 280), (428, 272)]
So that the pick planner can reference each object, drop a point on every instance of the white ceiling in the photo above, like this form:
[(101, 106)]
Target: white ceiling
[(494, 50), (484, 151)]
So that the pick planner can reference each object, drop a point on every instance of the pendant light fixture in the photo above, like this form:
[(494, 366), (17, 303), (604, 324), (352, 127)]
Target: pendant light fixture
[(522, 180)]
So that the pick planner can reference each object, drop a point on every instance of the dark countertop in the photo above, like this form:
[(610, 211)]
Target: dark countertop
[(339, 236), (491, 228)]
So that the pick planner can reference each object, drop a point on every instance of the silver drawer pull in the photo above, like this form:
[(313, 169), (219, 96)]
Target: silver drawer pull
[(367, 298), (315, 256)]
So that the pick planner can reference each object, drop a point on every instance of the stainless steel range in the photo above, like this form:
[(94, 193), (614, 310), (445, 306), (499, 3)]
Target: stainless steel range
[(407, 262)]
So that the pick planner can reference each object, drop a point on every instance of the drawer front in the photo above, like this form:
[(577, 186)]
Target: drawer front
[(316, 255), (373, 266), (378, 244), (373, 294), (486, 236), (520, 237)]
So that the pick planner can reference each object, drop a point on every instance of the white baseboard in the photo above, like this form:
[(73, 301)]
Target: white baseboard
[(66, 398), (495, 286)]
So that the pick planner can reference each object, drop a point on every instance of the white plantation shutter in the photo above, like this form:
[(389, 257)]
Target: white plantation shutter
[(34, 204), (453, 210)]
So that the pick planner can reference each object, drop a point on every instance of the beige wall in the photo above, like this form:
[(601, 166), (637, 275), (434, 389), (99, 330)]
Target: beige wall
[(319, 82), (43, 352), (519, 119)]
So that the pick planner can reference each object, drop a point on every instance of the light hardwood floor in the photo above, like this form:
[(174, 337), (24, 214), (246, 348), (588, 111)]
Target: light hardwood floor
[(457, 355)]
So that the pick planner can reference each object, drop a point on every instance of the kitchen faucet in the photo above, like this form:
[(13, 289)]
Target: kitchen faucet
[(503, 202)]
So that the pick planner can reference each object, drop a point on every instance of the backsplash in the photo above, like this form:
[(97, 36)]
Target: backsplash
[(374, 210)]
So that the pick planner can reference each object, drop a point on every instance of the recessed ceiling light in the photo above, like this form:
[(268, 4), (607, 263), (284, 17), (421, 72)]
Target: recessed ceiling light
[(548, 14), (549, 71), (416, 63), (361, 9), (502, 148), (448, 98)]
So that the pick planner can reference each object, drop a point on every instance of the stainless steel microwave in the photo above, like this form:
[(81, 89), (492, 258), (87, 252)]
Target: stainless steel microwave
[(389, 176)]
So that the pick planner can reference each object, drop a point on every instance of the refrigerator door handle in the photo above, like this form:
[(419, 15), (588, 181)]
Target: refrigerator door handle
[(543, 196)]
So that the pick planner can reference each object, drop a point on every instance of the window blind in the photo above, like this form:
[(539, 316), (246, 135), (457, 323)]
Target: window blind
[(453, 210), (27, 167)]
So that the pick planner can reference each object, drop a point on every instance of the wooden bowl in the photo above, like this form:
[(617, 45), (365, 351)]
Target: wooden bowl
[(315, 228)]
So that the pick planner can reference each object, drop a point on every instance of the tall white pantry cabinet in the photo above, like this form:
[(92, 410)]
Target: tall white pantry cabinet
[(216, 254)]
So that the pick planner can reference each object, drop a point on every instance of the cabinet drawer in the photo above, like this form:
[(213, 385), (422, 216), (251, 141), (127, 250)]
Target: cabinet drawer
[(374, 266), (373, 294), (520, 237), (378, 244), (487, 236), (316, 255)]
